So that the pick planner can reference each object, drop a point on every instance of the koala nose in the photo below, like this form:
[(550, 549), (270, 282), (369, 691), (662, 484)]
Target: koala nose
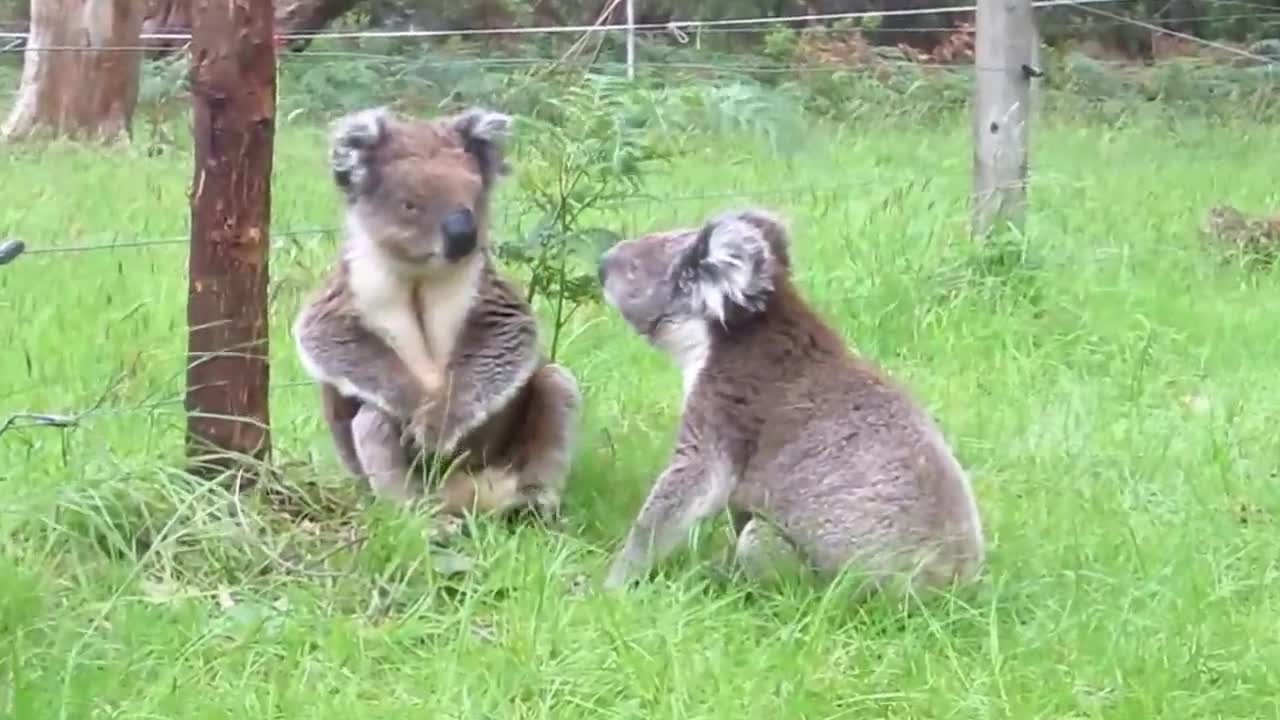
[(459, 230)]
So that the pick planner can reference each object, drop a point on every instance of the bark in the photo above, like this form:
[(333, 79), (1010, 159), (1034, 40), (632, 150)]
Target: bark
[(65, 91), (233, 88)]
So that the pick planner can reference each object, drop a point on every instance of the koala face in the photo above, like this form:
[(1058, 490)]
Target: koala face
[(724, 272), (416, 189), (643, 280)]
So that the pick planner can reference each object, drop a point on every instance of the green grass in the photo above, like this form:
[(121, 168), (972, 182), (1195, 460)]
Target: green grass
[(1114, 397)]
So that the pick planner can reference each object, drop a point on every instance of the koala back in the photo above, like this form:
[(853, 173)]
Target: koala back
[(833, 449), (811, 435)]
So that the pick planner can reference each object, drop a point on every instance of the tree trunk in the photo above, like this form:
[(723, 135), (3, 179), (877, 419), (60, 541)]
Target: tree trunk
[(88, 93), (228, 373)]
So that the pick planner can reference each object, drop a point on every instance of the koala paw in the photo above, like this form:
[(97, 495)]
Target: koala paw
[(544, 505), (423, 428), (619, 576), (445, 528)]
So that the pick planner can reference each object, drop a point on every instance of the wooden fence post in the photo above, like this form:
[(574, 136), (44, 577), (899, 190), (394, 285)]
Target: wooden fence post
[(233, 76), (1003, 68)]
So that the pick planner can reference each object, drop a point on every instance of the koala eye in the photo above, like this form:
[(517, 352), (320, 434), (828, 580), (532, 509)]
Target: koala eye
[(409, 206)]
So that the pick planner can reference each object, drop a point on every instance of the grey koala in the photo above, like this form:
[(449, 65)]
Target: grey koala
[(823, 462), (419, 346)]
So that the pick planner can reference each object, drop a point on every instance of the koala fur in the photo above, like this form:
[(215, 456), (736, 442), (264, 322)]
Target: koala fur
[(1237, 236), (420, 348), (823, 462)]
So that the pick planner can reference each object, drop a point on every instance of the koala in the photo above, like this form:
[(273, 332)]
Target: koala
[(822, 461), (420, 348), (1237, 236)]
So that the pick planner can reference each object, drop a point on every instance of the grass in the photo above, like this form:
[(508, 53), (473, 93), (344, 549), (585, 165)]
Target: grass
[(1113, 395)]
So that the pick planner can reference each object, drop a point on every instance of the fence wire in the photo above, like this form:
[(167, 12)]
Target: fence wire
[(682, 25), (12, 42)]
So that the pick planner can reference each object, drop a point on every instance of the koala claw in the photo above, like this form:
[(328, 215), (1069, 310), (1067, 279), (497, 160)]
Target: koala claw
[(422, 428), (445, 528), (618, 577)]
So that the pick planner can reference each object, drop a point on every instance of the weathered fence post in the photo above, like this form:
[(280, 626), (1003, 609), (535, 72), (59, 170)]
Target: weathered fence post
[(1003, 68), (233, 76)]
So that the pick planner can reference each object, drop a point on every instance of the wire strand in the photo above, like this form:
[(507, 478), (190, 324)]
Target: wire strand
[(1173, 33), (674, 24), (175, 240)]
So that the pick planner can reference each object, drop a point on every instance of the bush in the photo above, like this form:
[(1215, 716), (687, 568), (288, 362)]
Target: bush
[(593, 147)]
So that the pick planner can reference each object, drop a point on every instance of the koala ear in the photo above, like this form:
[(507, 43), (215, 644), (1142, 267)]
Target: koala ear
[(354, 137), (731, 266), (484, 135), (774, 230)]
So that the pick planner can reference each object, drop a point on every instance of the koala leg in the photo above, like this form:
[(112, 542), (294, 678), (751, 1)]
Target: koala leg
[(488, 489), (765, 555), (687, 492), (376, 439), (544, 441), (338, 411)]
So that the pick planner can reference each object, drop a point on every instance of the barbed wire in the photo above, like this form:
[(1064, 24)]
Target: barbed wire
[(174, 240), (1273, 12), (150, 242), (577, 29), (16, 28), (723, 25), (726, 66), (882, 57), (17, 45), (1164, 31), (323, 56), (98, 407)]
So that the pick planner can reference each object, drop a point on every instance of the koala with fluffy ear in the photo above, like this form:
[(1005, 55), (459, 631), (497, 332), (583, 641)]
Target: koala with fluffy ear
[(823, 462), (420, 348)]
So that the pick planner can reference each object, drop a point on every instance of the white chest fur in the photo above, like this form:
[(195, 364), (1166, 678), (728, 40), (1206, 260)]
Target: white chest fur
[(688, 343), (443, 304), (419, 318)]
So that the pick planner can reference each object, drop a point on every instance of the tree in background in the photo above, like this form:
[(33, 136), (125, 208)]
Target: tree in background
[(73, 92), (80, 69)]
